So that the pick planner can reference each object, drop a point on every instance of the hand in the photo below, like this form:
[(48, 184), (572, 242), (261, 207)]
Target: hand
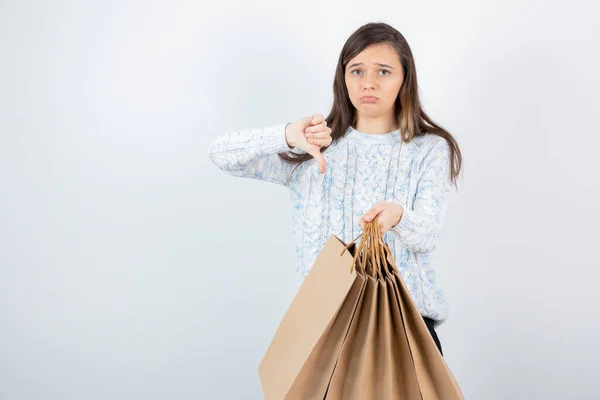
[(389, 214), (310, 134)]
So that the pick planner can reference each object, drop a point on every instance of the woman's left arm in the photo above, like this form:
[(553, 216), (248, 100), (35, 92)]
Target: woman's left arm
[(419, 228)]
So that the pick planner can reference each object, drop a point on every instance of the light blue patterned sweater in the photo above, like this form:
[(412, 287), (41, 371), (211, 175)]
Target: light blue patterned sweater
[(362, 169)]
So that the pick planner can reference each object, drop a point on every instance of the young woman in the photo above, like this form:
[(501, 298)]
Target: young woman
[(376, 153)]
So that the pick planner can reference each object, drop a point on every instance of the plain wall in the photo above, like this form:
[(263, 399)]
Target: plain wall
[(132, 268)]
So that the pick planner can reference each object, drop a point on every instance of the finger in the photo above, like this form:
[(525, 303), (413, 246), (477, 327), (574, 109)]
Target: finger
[(319, 135), (320, 159), (373, 212), (316, 119), (308, 120), (324, 121), (319, 142), (316, 128)]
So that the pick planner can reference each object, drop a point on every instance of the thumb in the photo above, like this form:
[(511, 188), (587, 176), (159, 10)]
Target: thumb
[(320, 159), (373, 212)]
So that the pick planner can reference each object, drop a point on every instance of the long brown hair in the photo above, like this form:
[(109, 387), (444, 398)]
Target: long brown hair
[(411, 118)]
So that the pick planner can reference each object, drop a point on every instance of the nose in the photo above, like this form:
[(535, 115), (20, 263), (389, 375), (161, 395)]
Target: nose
[(369, 82)]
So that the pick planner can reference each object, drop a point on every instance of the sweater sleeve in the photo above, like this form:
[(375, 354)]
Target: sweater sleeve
[(420, 226), (253, 153)]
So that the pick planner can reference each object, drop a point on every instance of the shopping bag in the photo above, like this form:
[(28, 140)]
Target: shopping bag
[(314, 324), (436, 380), (314, 377), (388, 352), (355, 333)]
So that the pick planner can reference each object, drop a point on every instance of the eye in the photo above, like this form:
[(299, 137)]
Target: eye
[(383, 70)]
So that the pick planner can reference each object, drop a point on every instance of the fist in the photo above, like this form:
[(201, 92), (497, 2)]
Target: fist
[(388, 215), (310, 134)]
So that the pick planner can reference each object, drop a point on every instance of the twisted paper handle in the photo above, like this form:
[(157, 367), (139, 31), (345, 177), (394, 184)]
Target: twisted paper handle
[(372, 251)]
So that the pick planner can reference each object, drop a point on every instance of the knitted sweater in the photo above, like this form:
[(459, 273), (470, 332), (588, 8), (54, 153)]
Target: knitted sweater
[(362, 169)]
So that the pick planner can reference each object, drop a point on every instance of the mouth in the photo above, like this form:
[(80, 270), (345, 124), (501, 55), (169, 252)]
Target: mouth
[(369, 99)]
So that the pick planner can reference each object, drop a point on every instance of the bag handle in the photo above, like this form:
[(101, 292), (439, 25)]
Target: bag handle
[(372, 248)]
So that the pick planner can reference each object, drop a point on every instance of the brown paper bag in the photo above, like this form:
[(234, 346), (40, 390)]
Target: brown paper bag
[(372, 362), (355, 333), (317, 318), (313, 379), (389, 352), (436, 381)]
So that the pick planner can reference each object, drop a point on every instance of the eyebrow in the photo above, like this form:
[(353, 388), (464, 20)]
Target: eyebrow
[(381, 65)]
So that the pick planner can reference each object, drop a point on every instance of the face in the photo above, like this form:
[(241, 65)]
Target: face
[(376, 71)]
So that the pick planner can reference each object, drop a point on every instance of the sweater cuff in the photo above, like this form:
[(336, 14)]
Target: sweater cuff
[(274, 139), (407, 222), (295, 150)]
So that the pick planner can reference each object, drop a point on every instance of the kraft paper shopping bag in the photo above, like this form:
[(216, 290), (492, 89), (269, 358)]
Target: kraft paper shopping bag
[(311, 313), (355, 333), (389, 352), (436, 380)]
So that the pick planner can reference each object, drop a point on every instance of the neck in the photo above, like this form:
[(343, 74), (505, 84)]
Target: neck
[(375, 125)]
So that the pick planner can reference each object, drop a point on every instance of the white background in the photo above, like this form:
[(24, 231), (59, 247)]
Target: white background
[(132, 268)]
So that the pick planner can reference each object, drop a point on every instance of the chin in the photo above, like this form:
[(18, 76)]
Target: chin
[(370, 111)]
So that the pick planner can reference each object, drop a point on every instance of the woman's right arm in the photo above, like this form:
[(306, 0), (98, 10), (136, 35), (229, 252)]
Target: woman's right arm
[(253, 153)]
